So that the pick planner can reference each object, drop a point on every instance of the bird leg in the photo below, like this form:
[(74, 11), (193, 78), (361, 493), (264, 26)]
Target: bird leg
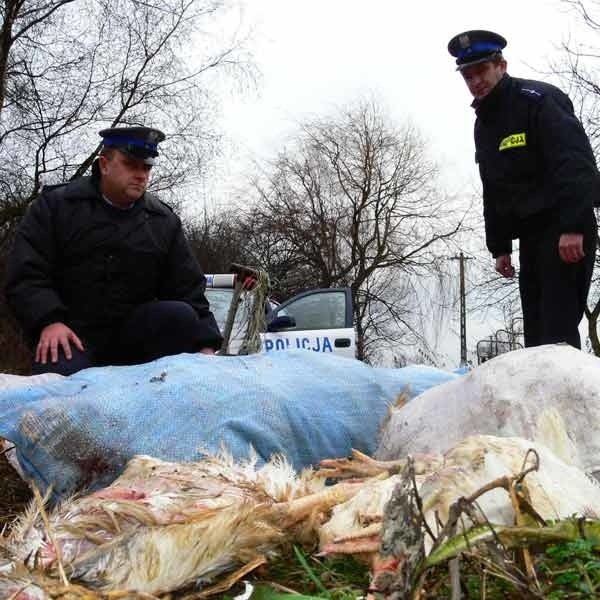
[(367, 540), (360, 465), (301, 508)]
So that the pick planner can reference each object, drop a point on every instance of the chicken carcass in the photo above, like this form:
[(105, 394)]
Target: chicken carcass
[(161, 526), (556, 490)]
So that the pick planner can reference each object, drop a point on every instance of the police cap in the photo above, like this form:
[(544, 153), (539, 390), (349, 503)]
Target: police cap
[(475, 46), (137, 142)]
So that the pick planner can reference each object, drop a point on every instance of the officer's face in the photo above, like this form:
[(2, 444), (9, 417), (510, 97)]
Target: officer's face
[(483, 77), (124, 178)]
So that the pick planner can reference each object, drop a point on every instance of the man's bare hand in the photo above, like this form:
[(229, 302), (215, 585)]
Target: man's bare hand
[(570, 247), (53, 336), (208, 351), (504, 265)]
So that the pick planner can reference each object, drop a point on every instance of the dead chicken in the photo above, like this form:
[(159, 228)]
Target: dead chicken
[(17, 588), (355, 525), (162, 526)]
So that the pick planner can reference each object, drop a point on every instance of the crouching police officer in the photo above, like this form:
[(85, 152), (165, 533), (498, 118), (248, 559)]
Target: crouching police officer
[(540, 183), (100, 271)]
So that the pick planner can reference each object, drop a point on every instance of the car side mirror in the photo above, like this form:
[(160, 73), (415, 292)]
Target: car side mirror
[(280, 323)]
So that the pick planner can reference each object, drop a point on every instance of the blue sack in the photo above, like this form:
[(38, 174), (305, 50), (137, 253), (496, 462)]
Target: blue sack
[(78, 432)]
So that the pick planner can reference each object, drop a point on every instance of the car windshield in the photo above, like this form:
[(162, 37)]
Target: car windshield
[(219, 300)]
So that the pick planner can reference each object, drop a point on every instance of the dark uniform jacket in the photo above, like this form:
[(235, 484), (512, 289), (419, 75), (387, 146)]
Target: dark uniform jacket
[(535, 160), (79, 260)]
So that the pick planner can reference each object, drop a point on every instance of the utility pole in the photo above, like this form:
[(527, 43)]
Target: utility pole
[(463, 309)]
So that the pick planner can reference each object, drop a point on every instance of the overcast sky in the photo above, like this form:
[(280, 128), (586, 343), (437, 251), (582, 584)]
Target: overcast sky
[(315, 54)]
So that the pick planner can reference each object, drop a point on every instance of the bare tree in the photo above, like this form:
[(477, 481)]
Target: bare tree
[(218, 239), (71, 68), (352, 201), (20, 20), (488, 291), (100, 63)]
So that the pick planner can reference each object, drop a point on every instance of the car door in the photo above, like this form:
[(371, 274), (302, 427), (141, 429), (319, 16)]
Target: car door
[(318, 320)]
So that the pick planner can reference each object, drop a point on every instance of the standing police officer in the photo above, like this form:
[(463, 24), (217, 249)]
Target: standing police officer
[(540, 184), (100, 272)]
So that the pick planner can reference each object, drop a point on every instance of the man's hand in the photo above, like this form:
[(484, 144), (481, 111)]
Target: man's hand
[(53, 336), (504, 266), (570, 247), (208, 351)]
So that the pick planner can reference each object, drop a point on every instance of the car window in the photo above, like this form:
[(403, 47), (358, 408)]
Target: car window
[(321, 310)]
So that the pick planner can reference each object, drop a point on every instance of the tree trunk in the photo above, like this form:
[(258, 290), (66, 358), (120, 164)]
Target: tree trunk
[(10, 12), (592, 317), (360, 342)]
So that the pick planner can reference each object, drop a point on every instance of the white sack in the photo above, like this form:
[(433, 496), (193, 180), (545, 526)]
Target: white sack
[(548, 394)]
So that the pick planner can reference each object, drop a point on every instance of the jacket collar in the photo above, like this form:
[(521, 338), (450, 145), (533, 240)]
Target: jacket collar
[(493, 99), (89, 187), (82, 186)]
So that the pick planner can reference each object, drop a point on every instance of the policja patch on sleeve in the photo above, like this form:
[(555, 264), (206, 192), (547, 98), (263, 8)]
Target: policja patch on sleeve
[(514, 140)]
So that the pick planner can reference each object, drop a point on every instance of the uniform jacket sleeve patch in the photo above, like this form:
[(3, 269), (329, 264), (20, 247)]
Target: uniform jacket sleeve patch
[(514, 140), (532, 94)]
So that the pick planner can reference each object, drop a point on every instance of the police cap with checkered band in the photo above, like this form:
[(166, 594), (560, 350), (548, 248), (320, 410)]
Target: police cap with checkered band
[(475, 46), (137, 142)]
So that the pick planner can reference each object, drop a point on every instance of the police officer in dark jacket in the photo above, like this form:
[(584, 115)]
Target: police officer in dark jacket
[(540, 184), (100, 272)]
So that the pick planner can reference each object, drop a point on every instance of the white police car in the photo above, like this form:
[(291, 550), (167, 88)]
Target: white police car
[(318, 320)]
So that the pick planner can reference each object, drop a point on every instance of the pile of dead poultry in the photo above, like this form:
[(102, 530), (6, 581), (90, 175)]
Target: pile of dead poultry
[(200, 527)]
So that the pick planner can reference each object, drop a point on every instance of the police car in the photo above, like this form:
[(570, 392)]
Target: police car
[(318, 320)]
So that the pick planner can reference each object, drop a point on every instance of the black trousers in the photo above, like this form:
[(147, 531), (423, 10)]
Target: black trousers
[(155, 329), (554, 293)]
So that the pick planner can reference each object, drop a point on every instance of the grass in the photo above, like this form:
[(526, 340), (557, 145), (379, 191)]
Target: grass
[(339, 578), (570, 570), (565, 571)]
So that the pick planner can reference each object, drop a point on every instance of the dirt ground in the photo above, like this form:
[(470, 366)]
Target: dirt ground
[(14, 493)]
